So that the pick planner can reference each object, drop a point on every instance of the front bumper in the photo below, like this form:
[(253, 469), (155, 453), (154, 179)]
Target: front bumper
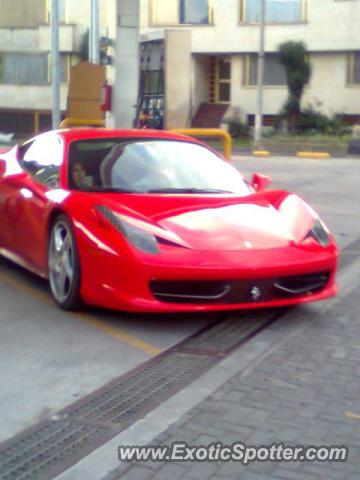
[(124, 282)]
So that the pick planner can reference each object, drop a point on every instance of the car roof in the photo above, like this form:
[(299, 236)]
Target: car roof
[(72, 134)]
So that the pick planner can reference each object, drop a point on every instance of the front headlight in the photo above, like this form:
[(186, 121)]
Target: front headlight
[(144, 241), (319, 233), (139, 238)]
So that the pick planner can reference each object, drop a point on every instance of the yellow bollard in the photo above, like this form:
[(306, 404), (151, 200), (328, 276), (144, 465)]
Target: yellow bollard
[(209, 132), (81, 122), (36, 122), (314, 155)]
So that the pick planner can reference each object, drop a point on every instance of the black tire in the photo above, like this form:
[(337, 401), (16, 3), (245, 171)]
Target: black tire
[(63, 264)]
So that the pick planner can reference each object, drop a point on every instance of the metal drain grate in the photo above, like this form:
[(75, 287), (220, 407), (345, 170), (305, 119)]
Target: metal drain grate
[(51, 447), (141, 391), (226, 335), (48, 449)]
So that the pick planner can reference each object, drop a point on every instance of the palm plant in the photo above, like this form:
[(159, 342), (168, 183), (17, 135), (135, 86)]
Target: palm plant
[(293, 55)]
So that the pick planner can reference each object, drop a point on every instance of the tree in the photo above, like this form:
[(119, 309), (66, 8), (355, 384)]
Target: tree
[(293, 55), (84, 46)]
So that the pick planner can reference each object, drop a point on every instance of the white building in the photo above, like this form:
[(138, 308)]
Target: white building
[(210, 54), (224, 39), (25, 44)]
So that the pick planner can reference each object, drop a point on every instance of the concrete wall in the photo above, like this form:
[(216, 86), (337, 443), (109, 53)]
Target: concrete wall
[(330, 25), (123, 75), (32, 13), (78, 14), (328, 69), (177, 78), (66, 38), (244, 97), (199, 81), (327, 91), (330, 32), (29, 97), (36, 39), (22, 13), (19, 40), (25, 29), (329, 87)]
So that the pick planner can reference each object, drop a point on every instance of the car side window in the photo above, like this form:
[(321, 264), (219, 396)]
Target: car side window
[(43, 158)]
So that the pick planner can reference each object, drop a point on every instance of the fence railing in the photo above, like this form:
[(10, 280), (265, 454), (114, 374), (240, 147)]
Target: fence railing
[(24, 123)]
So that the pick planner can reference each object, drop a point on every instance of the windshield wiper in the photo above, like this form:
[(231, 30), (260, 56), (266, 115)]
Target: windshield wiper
[(106, 190), (188, 190)]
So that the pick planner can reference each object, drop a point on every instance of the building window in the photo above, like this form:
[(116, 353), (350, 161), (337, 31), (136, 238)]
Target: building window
[(277, 11), (181, 12), (24, 68), (194, 11), (274, 71), (223, 80), (64, 67), (30, 68), (354, 68)]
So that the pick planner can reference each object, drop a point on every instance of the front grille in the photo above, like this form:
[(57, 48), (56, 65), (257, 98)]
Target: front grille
[(200, 291), (299, 285), (238, 291)]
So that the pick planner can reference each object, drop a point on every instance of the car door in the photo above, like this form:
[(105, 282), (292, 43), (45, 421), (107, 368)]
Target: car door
[(11, 175), (28, 200)]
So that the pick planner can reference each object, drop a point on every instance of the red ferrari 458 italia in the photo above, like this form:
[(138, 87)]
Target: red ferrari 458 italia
[(157, 222)]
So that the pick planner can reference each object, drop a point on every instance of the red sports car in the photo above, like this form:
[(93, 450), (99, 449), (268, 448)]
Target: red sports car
[(154, 221)]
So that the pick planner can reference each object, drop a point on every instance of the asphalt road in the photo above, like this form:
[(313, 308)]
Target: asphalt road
[(49, 358)]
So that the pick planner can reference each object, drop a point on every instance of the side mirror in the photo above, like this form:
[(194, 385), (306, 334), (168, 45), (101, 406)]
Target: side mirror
[(260, 182)]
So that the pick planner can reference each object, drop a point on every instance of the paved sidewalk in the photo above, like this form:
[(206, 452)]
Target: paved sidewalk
[(306, 391)]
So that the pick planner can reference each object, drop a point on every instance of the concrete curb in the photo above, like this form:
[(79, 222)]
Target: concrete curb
[(103, 462), (301, 154)]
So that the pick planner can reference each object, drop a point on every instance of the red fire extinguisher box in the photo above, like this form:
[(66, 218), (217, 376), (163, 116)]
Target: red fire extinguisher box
[(105, 97)]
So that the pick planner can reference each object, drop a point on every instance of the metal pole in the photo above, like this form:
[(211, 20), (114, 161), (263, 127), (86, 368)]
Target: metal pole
[(55, 64), (260, 77), (94, 36), (126, 64)]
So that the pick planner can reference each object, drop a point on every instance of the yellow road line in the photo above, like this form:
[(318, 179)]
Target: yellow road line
[(13, 282), (102, 325), (119, 334), (355, 416)]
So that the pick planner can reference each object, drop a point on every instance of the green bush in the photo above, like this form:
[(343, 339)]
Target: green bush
[(312, 121), (268, 132), (236, 127)]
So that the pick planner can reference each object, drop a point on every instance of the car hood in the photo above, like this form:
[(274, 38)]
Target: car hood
[(208, 223), (231, 227)]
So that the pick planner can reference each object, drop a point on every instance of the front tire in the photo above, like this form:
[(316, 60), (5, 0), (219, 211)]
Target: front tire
[(63, 265)]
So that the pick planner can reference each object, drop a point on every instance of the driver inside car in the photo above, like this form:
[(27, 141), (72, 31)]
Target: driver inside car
[(79, 176)]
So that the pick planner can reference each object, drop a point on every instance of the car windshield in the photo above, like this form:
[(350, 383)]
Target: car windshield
[(150, 166)]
